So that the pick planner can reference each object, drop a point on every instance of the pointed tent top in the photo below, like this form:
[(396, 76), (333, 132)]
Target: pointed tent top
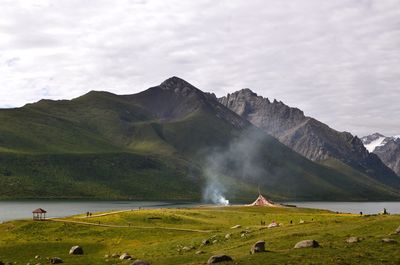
[(262, 201), (39, 210)]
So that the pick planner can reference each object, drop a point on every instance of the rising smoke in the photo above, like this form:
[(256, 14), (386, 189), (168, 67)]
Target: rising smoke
[(241, 159)]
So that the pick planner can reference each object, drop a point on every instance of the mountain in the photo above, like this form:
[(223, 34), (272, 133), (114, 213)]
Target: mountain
[(307, 136), (387, 148), (169, 142)]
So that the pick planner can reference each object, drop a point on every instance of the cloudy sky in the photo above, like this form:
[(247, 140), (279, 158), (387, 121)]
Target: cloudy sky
[(339, 61)]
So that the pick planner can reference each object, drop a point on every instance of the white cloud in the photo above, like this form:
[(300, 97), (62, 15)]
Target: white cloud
[(336, 60)]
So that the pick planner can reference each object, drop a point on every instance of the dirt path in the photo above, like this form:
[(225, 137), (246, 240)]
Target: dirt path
[(130, 226), (107, 213)]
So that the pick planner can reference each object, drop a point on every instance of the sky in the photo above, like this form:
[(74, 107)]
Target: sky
[(338, 61)]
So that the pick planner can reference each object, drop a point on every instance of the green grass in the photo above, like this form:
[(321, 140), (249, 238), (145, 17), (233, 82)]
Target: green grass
[(144, 236)]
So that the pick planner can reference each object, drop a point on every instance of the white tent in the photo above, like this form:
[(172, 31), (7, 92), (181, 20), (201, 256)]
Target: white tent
[(262, 201)]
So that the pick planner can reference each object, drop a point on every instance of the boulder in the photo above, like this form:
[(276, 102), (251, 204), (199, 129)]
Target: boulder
[(219, 258), (389, 240), (125, 256), (273, 225), (307, 244), (140, 262), (353, 239), (56, 260), (76, 250), (259, 246), (205, 242), (188, 248)]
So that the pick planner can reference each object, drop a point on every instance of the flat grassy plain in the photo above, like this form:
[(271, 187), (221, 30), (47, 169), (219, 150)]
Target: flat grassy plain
[(159, 236)]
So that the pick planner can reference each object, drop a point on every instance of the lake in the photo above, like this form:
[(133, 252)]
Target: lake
[(21, 209), (353, 207)]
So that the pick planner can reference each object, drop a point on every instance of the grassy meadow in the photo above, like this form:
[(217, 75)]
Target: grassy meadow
[(173, 236)]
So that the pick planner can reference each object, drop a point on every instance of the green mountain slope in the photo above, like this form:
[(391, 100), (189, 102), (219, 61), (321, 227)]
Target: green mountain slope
[(162, 144)]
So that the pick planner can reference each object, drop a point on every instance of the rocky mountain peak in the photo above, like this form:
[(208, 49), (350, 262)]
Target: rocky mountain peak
[(179, 86), (387, 148)]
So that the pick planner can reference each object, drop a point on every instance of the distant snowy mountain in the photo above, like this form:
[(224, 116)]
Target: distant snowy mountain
[(371, 142), (387, 148)]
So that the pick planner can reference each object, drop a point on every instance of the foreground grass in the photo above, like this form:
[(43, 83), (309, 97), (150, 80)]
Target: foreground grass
[(159, 236)]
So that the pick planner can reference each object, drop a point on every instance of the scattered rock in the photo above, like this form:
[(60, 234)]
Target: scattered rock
[(218, 258), (215, 241), (106, 256), (205, 242), (140, 262), (397, 231), (301, 221), (272, 225), (199, 252), (259, 246), (236, 226), (115, 255), (125, 256), (37, 257), (227, 236), (76, 250), (389, 240), (188, 248), (353, 239), (56, 260), (307, 244)]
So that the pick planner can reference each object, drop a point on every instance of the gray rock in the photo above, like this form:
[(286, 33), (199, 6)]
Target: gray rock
[(307, 244), (353, 239), (56, 260), (389, 240), (305, 135), (219, 258), (259, 246), (140, 262), (76, 250), (205, 242), (125, 256), (188, 248)]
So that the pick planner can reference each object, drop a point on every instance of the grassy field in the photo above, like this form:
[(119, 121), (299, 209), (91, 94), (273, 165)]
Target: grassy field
[(160, 237)]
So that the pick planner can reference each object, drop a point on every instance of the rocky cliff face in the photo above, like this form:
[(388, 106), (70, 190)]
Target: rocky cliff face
[(387, 148), (307, 136)]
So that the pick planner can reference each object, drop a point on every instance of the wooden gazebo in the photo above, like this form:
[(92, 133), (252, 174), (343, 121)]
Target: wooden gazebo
[(39, 214)]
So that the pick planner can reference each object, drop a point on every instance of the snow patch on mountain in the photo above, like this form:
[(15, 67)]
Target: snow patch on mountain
[(374, 144)]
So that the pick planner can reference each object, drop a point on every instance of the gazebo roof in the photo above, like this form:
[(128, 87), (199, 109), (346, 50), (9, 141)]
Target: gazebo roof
[(39, 210)]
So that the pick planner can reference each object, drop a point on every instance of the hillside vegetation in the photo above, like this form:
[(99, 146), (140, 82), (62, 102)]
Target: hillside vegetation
[(158, 145)]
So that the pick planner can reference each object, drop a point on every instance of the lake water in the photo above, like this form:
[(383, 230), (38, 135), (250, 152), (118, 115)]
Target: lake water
[(21, 209), (353, 207), (12, 210)]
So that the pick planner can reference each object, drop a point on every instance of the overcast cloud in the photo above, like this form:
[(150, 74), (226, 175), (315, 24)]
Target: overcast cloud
[(339, 61)]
